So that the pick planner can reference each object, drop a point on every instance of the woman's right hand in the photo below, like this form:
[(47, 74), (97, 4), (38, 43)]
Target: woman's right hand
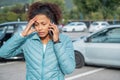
[(28, 30)]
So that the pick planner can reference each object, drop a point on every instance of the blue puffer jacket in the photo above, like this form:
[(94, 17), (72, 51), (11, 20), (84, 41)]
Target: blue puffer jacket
[(57, 60)]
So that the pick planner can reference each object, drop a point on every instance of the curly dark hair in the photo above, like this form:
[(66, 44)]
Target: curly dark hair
[(51, 10)]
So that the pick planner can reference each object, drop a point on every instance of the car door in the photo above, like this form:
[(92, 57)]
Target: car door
[(80, 27), (104, 47)]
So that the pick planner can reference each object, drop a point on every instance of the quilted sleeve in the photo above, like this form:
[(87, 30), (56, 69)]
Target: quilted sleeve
[(12, 47), (65, 55)]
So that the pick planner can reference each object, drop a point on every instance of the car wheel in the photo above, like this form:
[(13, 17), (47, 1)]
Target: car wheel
[(79, 59), (73, 29)]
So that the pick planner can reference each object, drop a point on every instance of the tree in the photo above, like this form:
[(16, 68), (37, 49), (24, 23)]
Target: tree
[(10, 16), (105, 7), (87, 6), (109, 7)]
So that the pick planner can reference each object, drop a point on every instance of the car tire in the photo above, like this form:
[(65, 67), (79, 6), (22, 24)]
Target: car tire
[(79, 60), (73, 30)]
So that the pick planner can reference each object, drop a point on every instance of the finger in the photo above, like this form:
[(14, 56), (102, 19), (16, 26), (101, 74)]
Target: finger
[(30, 23), (55, 28), (31, 31)]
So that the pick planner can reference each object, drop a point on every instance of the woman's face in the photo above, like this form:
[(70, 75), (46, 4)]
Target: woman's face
[(42, 25)]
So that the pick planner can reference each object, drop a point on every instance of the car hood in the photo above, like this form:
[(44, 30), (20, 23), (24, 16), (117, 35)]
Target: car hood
[(81, 38), (78, 43)]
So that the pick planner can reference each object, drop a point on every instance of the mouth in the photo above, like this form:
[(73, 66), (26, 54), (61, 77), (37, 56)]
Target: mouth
[(41, 33)]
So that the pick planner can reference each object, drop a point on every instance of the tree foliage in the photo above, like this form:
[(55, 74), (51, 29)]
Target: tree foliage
[(82, 10), (92, 8)]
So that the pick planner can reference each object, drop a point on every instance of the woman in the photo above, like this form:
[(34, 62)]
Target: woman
[(49, 55)]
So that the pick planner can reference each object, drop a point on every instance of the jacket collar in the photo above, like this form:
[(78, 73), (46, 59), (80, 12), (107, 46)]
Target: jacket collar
[(35, 36)]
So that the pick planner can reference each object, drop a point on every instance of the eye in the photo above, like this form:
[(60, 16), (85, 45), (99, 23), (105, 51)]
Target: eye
[(43, 23), (36, 23)]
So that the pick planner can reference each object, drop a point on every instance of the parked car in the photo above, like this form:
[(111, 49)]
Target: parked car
[(97, 25), (7, 29), (74, 26), (99, 48), (60, 26)]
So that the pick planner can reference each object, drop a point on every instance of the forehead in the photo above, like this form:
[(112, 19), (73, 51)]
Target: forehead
[(42, 17)]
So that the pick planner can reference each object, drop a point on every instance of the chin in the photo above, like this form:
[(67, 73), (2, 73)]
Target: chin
[(43, 36)]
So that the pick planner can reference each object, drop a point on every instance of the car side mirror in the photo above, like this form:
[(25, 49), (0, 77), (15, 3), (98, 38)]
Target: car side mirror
[(86, 39)]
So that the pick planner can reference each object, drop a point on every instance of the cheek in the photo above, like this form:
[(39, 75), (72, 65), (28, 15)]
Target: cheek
[(36, 28), (46, 30), (46, 27)]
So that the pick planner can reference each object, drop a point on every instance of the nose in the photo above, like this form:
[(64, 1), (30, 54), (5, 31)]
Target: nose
[(39, 28)]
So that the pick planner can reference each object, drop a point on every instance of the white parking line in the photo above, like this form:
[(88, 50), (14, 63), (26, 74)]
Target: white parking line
[(6, 63), (84, 74)]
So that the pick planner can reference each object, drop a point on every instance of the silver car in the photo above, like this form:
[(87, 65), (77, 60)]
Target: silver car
[(99, 48)]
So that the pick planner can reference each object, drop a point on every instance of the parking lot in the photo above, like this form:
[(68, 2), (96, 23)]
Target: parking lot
[(15, 70)]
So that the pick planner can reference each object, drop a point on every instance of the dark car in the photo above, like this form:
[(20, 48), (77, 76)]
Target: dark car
[(7, 30)]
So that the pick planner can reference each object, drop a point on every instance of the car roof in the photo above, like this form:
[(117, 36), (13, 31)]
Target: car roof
[(76, 23), (13, 22), (109, 26), (114, 25)]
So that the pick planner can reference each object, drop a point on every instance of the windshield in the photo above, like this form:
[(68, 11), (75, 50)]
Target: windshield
[(95, 24), (71, 24), (74, 24)]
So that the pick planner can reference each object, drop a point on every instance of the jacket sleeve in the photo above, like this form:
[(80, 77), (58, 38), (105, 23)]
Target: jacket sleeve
[(12, 47), (65, 54)]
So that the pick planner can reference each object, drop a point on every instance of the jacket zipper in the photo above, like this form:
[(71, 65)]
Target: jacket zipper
[(43, 67), (42, 63)]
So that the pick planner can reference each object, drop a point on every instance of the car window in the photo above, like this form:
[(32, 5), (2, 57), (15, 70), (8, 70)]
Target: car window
[(2, 31), (70, 24), (98, 37), (95, 24), (20, 28), (10, 29), (80, 24), (104, 24), (111, 35)]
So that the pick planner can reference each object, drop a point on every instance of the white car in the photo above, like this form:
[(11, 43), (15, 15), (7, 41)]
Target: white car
[(100, 48), (97, 25), (74, 26)]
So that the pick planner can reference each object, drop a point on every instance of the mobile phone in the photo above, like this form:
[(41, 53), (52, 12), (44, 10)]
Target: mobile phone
[(50, 33)]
